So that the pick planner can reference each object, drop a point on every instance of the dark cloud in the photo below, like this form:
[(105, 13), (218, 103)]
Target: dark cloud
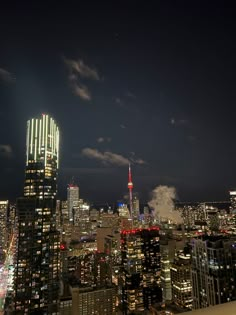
[(6, 151), (6, 76), (110, 158), (103, 139), (77, 71)]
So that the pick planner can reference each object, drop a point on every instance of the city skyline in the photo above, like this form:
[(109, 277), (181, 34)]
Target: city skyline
[(155, 88)]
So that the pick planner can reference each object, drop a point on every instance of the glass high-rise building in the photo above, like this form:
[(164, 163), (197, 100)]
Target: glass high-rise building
[(37, 263)]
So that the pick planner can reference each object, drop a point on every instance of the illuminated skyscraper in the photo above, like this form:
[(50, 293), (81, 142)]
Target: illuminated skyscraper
[(42, 160), (36, 274), (72, 199), (181, 280)]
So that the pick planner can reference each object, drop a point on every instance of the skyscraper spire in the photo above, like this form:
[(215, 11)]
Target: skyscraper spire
[(130, 187)]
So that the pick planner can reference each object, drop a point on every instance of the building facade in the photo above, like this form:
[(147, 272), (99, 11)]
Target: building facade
[(97, 301), (181, 280), (213, 271), (140, 274)]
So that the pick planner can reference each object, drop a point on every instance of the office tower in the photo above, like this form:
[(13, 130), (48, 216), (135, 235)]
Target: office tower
[(72, 200), (181, 280), (64, 211), (81, 216), (42, 144), (213, 270), (4, 208), (140, 273), (126, 221), (36, 274), (123, 210)]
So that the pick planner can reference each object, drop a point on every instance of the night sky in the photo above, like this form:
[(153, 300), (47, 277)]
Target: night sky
[(125, 81)]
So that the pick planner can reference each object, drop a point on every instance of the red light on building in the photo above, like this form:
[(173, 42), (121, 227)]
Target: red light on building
[(155, 228), (62, 247), (133, 231), (72, 186)]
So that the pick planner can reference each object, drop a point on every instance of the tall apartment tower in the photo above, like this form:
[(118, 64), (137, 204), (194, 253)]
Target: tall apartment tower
[(72, 200), (140, 274), (36, 272), (165, 275), (213, 271), (4, 208)]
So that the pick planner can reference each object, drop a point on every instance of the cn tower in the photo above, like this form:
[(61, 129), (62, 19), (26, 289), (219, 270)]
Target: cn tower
[(130, 187)]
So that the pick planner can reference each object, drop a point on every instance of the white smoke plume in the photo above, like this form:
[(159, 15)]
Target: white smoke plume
[(163, 204)]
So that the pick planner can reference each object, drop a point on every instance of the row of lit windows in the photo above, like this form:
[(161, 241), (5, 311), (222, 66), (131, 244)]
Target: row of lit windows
[(34, 171)]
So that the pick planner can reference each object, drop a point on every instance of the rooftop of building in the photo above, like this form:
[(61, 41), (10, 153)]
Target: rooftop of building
[(140, 230), (89, 288), (213, 238), (226, 308), (182, 260)]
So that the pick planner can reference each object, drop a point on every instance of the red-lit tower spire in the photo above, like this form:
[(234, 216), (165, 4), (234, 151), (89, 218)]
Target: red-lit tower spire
[(130, 187)]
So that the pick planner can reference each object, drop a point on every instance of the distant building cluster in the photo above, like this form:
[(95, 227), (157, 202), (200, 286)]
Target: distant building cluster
[(73, 257)]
